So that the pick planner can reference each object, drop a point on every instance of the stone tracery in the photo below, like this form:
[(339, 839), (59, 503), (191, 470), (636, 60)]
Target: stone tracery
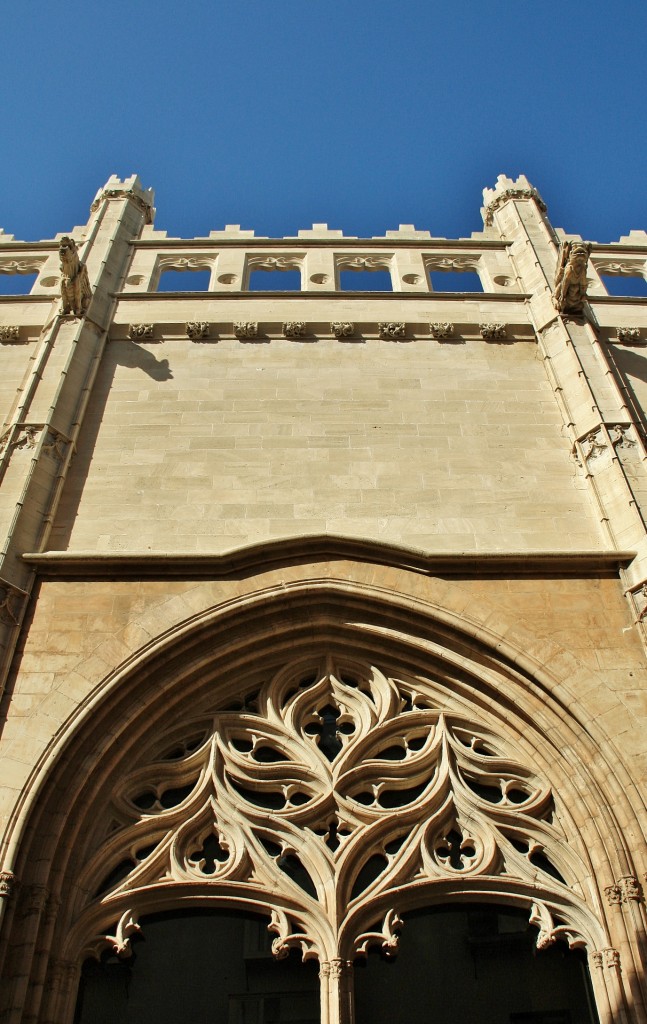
[(329, 798)]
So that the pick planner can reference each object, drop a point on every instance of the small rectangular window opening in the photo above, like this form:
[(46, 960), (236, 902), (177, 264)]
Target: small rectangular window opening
[(17, 284), (455, 281), (365, 281), (625, 284), (184, 281), (275, 281)]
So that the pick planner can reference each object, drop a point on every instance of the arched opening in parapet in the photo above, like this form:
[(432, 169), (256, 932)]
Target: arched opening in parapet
[(331, 761)]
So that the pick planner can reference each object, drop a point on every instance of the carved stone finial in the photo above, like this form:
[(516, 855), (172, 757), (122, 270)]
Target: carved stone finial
[(197, 330), (8, 884), (75, 285), (441, 331), (570, 277)]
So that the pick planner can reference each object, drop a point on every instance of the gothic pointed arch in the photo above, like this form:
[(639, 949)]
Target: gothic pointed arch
[(331, 758)]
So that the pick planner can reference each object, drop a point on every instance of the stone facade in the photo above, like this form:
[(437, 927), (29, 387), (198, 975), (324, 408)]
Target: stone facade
[(322, 524)]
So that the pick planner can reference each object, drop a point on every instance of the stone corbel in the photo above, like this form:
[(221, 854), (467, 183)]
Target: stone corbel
[(9, 334), (343, 329), (294, 329), (441, 331), (138, 332), (628, 335), (198, 330), (246, 330), (493, 332), (392, 331)]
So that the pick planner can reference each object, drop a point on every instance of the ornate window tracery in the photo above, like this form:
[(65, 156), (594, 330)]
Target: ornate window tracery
[(331, 797)]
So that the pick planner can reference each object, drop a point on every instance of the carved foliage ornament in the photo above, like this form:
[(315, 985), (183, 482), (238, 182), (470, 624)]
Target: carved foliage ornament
[(441, 331), (512, 193), (137, 332), (628, 335), (295, 329), (197, 330), (329, 791), (9, 334), (493, 332), (343, 329), (392, 330), (457, 263), (247, 329)]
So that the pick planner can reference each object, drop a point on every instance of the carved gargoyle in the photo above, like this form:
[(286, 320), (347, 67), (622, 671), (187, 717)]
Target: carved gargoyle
[(75, 286), (570, 277)]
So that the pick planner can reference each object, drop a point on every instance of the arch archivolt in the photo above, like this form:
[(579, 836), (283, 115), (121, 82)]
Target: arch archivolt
[(330, 757)]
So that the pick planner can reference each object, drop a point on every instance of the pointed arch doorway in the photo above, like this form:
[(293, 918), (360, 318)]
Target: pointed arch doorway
[(335, 777)]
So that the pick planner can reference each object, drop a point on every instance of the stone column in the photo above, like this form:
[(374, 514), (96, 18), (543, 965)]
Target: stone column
[(38, 444)]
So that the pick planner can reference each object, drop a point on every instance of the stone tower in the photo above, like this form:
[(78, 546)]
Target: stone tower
[(323, 606)]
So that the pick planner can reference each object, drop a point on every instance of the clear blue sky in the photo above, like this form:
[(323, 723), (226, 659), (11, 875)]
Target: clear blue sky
[(361, 113)]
